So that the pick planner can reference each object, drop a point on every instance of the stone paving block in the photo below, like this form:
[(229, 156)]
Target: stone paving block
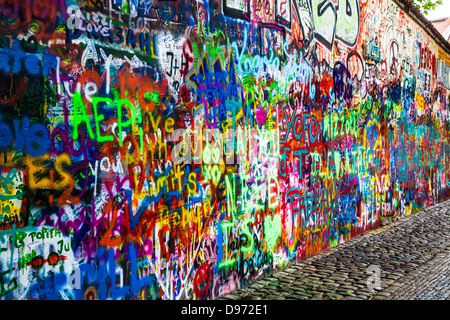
[(326, 280), (337, 278), (273, 297), (343, 283), (285, 280), (270, 279), (390, 289), (350, 292), (273, 287), (362, 282), (383, 293), (325, 271), (256, 286), (320, 275), (313, 278), (297, 287), (348, 287), (311, 269), (253, 297), (265, 290), (325, 290), (331, 285), (257, 293), (303, 293), (284, 293), (378, 298)]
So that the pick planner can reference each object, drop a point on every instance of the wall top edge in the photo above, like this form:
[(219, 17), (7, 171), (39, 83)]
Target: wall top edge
[(418, 17)]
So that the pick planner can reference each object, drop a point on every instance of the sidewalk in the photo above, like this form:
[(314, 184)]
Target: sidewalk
[(408, 259)]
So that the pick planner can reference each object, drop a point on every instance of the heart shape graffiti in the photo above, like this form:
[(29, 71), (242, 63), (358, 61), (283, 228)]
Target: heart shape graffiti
[(272, 229)]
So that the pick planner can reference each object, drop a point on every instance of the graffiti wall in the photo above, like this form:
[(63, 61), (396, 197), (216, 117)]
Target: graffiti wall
[(183, 149)]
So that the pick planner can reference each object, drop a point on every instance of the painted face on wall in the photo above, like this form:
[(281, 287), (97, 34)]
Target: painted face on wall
[(203, 13)]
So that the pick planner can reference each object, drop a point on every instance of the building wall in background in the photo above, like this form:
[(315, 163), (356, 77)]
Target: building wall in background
[(183, 149)]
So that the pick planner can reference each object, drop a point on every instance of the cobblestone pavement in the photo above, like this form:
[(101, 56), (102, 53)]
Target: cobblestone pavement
[(410, 258)]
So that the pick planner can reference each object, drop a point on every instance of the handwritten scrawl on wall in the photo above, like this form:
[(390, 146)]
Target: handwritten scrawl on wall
[(183, 149)]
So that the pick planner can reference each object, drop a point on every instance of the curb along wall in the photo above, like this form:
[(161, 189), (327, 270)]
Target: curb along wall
[(183, 149)]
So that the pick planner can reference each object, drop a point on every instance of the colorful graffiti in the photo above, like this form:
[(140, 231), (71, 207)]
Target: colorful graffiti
[(183, 149)]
